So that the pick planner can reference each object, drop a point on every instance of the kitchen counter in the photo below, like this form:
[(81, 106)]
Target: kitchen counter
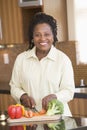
[(81, 92), (80, 95), (66, 123)]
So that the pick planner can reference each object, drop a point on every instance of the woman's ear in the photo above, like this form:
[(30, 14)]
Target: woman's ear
[(32, 40)]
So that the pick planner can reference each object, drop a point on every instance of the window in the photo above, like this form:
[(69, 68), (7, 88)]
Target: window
[(77, 27), (81, 28)]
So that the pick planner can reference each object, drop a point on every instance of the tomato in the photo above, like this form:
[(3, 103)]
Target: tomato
[(15, 111)]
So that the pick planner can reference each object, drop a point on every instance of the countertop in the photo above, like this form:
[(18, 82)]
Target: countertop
[(81, 92), (66, 123), (4, 88)]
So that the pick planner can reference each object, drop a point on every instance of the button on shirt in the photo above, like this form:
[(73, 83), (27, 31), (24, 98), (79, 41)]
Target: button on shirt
[(51, 75)]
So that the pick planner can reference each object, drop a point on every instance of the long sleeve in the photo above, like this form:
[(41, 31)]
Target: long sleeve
[(15, 82), (67, 85)]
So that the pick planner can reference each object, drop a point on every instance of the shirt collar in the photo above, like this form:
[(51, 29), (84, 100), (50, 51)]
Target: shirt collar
[(31, 53), (51, 55)]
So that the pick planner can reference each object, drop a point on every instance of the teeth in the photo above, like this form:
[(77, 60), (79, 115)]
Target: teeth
[(43, 43)]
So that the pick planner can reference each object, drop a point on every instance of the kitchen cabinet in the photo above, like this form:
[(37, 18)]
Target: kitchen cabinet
[(27, 14), (83, 107), (5, 101), (11, 19), (74, 107), (78, 107), (57, 8)]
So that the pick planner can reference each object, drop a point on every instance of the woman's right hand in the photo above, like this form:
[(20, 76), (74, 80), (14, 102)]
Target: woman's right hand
[(27, 101), (47, 99)]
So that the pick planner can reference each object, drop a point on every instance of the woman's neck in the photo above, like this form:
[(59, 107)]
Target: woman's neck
[(41, 54)]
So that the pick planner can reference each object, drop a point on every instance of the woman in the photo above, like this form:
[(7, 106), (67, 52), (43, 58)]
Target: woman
[(42, 73)]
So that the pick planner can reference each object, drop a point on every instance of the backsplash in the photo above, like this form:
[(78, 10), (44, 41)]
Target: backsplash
[(7, 58)]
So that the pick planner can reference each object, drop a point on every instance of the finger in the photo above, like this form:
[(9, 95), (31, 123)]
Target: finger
[(44, 103), (26, 102), (29, 103), (32, 102)]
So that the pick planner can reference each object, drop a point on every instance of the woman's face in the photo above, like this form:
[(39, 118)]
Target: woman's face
[(43, 37)]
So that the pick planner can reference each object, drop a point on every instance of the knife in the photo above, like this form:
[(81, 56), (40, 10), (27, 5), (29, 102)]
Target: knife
[(34, 109)]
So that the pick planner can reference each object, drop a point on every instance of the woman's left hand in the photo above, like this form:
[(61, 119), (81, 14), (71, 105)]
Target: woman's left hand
[(47, 99)]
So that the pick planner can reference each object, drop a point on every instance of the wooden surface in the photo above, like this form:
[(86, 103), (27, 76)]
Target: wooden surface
[(11, 19), (34, 119), (78, 107)]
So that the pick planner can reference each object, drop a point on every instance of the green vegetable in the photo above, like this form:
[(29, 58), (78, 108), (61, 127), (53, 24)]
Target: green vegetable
[(55, 107), (57, 126)]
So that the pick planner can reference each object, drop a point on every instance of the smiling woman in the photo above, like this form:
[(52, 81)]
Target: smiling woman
[(40, 74)]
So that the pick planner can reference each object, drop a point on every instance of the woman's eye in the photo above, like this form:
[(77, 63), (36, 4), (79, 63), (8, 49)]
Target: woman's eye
[(36, 35), (46, 35)]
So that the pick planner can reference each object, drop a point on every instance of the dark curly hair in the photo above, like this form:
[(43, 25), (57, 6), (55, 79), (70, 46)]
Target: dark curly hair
[(39, 18)]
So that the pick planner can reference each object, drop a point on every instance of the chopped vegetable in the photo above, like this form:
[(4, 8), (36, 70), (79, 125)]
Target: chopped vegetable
[(36, 114), (30, 113), (42, 112), (55, 107)]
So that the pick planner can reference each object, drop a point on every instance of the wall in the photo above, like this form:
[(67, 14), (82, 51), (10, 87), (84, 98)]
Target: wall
[(6, 69)]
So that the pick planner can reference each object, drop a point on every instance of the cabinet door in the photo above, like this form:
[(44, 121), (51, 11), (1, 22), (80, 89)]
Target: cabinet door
[(5, 101), (11, 21), (74, 107), (83, 107), (57, 8)]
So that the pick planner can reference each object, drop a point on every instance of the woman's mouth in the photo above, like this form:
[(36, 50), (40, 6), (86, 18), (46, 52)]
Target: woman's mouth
[(43, 43)]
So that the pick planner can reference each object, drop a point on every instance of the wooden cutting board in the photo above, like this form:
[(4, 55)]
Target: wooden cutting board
[(35, 119)]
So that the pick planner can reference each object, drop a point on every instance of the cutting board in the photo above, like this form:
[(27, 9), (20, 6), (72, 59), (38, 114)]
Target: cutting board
[(35, 119)]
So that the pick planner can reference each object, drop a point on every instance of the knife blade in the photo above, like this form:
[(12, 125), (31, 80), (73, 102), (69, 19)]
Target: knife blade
[(34, 109)]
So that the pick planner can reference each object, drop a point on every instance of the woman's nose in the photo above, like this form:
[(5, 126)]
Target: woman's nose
[(42, 37)]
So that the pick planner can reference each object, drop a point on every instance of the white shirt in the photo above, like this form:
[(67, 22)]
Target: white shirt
[(51, 75)]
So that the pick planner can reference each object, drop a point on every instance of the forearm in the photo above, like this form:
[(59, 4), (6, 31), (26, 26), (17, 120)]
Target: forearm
[(16, 93)]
